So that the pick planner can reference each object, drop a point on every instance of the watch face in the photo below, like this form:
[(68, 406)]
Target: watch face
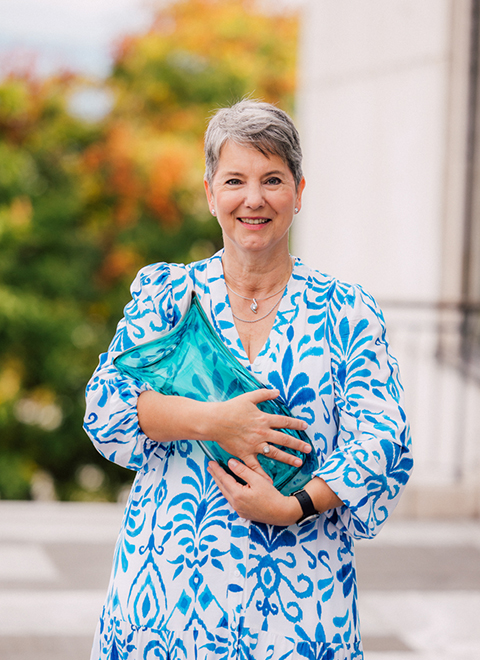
[(308, 519)]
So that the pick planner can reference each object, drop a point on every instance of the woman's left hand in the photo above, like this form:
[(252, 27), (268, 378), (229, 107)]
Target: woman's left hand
[(258, 500)]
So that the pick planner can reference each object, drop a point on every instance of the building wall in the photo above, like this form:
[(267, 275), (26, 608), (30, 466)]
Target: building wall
[(382, 110)]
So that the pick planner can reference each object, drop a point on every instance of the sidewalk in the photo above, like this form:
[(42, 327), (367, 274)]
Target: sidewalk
[(419, 584)]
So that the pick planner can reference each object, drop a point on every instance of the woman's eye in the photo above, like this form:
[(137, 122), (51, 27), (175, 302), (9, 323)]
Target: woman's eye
[(273, 181), (233, 182)]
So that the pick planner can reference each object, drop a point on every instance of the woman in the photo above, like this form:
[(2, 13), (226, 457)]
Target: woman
[(206, 567)]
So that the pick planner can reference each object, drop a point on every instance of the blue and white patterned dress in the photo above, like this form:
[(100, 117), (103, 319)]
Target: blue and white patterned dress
[(191, 580)]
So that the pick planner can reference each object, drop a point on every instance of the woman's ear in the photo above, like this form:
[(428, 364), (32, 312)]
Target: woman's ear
[(300, 189), (209, 195)]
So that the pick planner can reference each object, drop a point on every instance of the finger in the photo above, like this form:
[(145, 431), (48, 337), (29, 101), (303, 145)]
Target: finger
[(290, 441), (282, 457), (248, 500), (222, 478), (228, 484), (254, 465), (244, 472), (263, 394), (284, 422)]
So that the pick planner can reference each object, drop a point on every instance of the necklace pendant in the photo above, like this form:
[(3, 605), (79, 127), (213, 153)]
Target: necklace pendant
[(254, 306)]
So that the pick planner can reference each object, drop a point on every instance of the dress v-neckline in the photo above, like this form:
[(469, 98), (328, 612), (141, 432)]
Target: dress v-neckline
[(229, 330)]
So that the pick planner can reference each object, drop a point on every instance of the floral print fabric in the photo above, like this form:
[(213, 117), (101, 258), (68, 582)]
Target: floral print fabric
[(190, 578)]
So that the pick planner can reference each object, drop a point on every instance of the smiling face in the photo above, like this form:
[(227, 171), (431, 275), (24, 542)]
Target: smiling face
[(254, 197)]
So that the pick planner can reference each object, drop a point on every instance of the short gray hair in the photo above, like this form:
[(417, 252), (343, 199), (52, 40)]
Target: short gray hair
[(260, 125)]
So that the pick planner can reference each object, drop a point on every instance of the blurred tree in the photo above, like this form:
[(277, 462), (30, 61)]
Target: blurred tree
[(84, 204), (48, 335)]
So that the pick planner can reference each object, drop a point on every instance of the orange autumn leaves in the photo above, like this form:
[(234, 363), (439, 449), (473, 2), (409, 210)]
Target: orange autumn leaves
[(139, 174), (140, 170)]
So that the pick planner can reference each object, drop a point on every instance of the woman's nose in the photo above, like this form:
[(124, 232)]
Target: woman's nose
[(254, 196)]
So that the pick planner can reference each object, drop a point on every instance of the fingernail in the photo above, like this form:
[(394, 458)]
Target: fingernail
[(233, 463), (304, 426), (298, 462), (307, 448)]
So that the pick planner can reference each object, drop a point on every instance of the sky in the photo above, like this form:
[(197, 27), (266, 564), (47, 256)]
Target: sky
[(73, 34)]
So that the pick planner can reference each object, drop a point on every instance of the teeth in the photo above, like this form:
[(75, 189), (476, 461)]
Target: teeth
[(254, 221)]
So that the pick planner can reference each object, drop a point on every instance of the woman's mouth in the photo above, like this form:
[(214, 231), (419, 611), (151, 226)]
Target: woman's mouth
[(254, 221)]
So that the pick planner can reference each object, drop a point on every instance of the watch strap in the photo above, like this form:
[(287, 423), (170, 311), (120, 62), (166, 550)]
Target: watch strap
[(308, 510)]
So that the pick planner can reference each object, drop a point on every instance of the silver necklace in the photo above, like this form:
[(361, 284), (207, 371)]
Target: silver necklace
[(255, 301), (260, 317)]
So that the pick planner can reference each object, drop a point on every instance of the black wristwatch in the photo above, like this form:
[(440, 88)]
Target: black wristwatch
[(309, 512)]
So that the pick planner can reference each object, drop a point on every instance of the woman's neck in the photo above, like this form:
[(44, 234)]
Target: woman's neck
[(256, 275)]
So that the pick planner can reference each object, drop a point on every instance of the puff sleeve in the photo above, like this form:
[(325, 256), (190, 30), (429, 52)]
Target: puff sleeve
[(111, 419), (372, 459)]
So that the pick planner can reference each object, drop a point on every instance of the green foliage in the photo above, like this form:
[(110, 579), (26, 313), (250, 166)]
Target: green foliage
[(83, 205)]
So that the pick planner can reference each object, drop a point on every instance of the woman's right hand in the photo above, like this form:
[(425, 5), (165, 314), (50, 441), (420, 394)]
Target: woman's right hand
[(244, 431), (237, 425)]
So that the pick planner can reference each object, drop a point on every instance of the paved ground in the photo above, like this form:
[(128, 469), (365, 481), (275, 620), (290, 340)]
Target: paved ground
[(419, 584)]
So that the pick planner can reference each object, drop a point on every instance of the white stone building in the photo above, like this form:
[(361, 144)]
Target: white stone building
[(389, 111)]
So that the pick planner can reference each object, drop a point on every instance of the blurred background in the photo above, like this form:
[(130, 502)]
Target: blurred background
[(103, 106)]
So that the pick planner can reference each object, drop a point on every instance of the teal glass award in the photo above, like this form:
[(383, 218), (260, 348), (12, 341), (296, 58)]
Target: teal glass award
[(191, 360)]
